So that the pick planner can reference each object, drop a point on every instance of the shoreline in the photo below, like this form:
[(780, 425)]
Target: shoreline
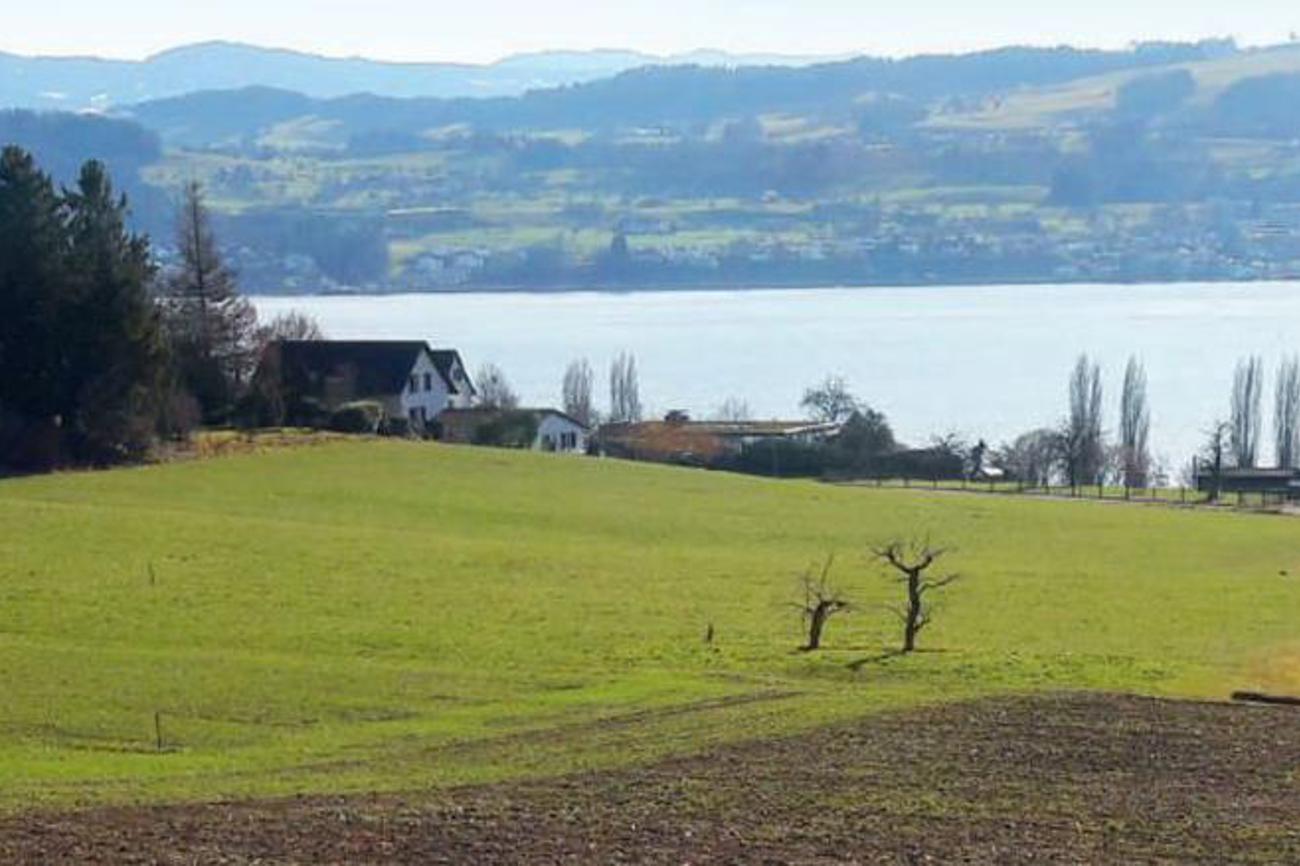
[(703, 288)]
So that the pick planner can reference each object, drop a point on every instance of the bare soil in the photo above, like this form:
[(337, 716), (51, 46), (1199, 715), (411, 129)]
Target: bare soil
[(1064, 779)]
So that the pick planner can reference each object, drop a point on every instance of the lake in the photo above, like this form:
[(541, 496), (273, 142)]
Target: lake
[(988, 362)]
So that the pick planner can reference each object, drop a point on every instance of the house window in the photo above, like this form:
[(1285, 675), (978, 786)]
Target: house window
[(415, 384), (428, 381), (415, 416)]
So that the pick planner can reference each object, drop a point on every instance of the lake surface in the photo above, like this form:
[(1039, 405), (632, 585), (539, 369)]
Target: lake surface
[(989, 362)]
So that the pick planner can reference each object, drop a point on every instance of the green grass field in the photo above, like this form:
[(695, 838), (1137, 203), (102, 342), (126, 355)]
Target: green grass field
[(389, 616)]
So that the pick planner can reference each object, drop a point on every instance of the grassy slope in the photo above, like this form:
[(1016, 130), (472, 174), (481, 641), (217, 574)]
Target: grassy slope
[(1047, 106), (377, 616)]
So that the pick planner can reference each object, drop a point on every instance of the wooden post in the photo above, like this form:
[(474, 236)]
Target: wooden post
[(157, 729)]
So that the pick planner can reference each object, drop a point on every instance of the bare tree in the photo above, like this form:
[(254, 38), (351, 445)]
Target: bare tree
[(579, 383), (1135, 428), (211, 326), (912, 560), (1286, 414), (831, 402), (733, 410), (292, 325), (624, 390), (1247, 412), (821, 601), (1083, 447), (494, 391), (1030, 457)]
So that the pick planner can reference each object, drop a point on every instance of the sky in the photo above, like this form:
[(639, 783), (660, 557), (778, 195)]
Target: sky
[(485, 30)]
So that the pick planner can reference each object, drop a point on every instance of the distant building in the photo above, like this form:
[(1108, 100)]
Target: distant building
[(704, 442), (410, 379), (1271, 482), (549, 429)]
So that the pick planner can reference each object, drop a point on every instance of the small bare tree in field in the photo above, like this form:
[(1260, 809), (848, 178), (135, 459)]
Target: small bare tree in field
[(912, 560), (821, 602)]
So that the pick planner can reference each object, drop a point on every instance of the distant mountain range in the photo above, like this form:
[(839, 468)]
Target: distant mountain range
[(78, 83), (1022, 164), (650, 98)]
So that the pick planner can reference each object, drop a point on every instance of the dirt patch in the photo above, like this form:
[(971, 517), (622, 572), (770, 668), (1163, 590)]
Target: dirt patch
[(1034, 780)]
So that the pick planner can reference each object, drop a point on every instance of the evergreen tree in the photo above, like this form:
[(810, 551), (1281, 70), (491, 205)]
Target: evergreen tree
[(80, 343), (32, 293), (113, 338), (212, 327)]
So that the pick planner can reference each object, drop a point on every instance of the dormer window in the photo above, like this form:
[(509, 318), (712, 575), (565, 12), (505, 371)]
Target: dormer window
[(428, 381)]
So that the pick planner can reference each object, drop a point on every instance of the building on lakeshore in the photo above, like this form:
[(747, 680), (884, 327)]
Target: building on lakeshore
[(409, 379)]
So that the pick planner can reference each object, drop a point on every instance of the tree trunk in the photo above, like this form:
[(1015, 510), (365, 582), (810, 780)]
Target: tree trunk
[(913, 624), (816, 625)]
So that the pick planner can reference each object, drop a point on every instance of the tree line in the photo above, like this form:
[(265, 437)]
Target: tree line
[(102, 354)]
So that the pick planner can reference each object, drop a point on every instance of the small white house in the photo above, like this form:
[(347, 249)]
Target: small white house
[(556, 432)]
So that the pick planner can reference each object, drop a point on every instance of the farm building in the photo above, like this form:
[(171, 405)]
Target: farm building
[(682, 441), (409, 379), (539, 429), (1282, 483)]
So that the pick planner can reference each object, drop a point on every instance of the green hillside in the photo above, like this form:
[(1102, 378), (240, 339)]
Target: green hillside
[(378, 616)]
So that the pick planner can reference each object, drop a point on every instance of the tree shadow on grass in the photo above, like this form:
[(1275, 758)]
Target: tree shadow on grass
[(882, 658), (888, 656)]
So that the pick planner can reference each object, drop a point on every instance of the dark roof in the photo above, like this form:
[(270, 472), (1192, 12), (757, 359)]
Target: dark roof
[(486, 414), (444, 360), (1268, 474), (380, 367)]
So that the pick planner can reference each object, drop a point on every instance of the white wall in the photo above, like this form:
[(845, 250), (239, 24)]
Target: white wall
[(464, 399), (553, 428), (434, 400)]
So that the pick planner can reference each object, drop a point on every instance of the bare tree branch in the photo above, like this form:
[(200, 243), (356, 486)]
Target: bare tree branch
[(821, 603), (911, 560)]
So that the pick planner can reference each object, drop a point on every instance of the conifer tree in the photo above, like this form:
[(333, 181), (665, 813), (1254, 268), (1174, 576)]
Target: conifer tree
[(114, 338), (32, 291)]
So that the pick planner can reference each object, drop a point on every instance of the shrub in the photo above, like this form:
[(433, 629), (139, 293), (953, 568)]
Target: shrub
[(397, 428), (308, 412), (508, 430), (360, 417)]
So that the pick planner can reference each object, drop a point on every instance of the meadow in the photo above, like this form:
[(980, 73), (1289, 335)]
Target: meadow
[(377, 616)]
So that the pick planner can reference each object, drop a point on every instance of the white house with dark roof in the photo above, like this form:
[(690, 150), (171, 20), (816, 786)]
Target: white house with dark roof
[(410, 379)]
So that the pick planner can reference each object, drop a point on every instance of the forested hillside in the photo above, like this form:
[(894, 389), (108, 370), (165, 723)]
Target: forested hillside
[(1164, 162)]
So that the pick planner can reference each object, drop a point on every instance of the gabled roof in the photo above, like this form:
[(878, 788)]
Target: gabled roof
[(446, 360), (381, 367)]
